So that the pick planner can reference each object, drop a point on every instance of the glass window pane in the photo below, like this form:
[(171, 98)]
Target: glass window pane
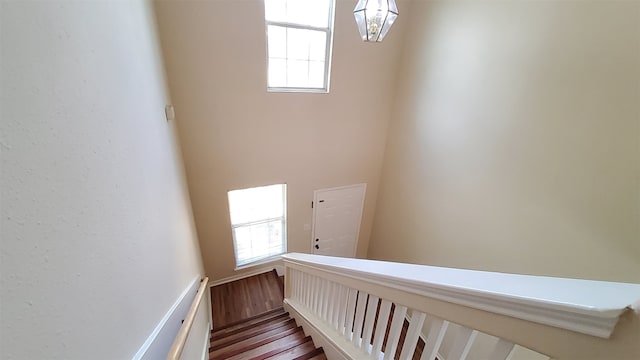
[(317, 45), (297, 44), (258, 241), (298, 73), (277, 40), (277, 73), (318, 12), (316, 74), (303, 12), (275, 10), (256, 204)]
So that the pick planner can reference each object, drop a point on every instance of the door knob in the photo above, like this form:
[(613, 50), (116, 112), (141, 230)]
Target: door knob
[(317, 246)]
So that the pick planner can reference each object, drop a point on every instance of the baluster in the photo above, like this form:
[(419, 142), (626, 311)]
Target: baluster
[(344, 299), (381, 328), (370, 317), (332, 304), (293, 282), (327, 303), (310, 283), (299, 286), (502, 350), (319, 293), (357, 325), (305, 289), (322, 307), (351, 309), (399, 312), (462, 343), (326, 300), (411, 340), (434, 339), (314, 297), (309, 286), (337, 305)]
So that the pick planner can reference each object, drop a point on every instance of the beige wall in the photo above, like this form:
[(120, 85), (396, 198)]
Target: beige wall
[(97, 236), (236, 135), (515, 140)]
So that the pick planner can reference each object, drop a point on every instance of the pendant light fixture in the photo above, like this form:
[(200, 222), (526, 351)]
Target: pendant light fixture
[(374, 18)]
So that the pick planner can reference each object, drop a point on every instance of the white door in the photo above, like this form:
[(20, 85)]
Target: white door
[(336, 220)]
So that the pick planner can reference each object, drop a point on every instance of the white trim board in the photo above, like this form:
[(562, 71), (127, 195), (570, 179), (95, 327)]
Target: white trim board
[(207, 342), (150, 347)]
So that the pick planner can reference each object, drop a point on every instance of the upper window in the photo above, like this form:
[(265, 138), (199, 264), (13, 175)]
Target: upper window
[(258, 222), (299, 36)]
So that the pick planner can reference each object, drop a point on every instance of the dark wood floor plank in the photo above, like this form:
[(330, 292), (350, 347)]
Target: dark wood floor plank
[(273, 350), (245, 298), (240, 327), (254, 333), (253, 341), (295, 352), (249, 332), (311, 355), (253, 319), (284, 342), (319, 357)]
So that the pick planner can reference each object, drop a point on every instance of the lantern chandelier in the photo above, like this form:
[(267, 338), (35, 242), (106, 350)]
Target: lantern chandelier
[(374, 18)]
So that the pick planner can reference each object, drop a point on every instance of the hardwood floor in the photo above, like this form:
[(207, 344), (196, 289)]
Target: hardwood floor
[(246, 298)]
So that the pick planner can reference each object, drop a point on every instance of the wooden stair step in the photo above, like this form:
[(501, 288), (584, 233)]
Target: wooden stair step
[(255, 321), (319, 357), (311, 354), (268, 347), (251, 341), (276, 349), (249, 331), (296, 351), (279, 310)]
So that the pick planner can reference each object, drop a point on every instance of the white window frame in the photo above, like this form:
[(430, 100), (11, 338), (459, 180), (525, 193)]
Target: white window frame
[(258, 222), (328, 51)]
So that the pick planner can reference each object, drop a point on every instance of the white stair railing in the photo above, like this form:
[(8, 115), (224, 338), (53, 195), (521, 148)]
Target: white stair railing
[(357, 309)]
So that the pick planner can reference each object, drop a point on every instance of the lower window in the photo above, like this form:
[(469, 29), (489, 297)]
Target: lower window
[(258, 222)]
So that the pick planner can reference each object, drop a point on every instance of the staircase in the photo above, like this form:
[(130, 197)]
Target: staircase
[(272, 335)]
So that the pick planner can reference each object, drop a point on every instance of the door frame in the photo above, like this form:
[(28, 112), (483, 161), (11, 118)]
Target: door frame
[(313, 215)]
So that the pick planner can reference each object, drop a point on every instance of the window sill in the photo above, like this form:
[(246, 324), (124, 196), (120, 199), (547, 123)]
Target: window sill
[(298, 90), (270, 259)]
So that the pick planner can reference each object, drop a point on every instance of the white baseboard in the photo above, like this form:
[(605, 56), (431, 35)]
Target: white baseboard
[(243, 275), (165, 328)]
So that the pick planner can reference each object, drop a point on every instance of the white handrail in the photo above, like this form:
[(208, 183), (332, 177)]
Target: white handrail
[(549, 315), (585, 306), (178, 343)]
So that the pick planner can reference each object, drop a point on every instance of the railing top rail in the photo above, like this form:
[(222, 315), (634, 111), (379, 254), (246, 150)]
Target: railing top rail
[(181, 338), (586, 306)]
